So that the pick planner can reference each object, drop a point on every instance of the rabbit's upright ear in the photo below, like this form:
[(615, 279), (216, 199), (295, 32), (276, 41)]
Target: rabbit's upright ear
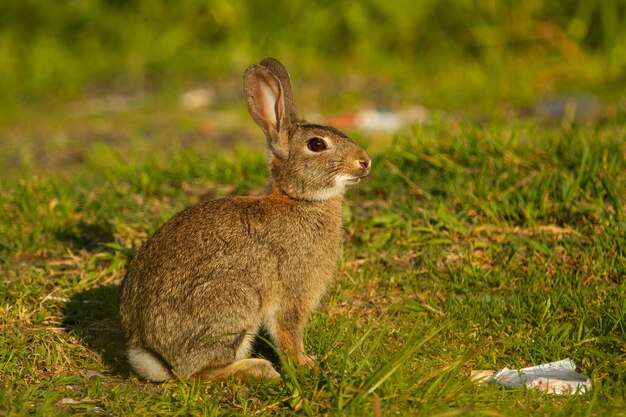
[(281, 73), (266, 103)]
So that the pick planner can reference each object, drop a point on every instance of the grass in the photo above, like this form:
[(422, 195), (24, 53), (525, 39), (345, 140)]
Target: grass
[(487, 237), (470, 247)]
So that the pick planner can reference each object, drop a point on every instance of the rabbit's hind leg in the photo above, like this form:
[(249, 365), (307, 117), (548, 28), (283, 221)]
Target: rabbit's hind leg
[(252, 369)]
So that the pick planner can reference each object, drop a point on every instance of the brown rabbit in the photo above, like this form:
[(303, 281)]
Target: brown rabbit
[(200, 288)]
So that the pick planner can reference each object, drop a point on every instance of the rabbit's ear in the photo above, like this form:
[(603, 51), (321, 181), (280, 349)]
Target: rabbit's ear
[(281, 73), (266, 104)]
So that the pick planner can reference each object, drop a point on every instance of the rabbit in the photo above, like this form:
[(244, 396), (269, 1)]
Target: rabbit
[(204, 283)]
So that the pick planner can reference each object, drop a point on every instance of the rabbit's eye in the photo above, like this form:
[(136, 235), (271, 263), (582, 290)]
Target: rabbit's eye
[(317, 145)]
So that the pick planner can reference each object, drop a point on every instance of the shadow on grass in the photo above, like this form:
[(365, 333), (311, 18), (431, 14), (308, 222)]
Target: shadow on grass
[(262, 347), (91, 315), (88, 236)]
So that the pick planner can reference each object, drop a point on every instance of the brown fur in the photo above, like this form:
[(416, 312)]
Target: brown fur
[(202, 285)]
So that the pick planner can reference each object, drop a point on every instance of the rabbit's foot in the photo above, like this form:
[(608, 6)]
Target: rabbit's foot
[(245, 369), (257, 369), (307, 360)]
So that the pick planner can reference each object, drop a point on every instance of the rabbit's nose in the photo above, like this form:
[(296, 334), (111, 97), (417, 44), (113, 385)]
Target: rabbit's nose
[(365, 163)]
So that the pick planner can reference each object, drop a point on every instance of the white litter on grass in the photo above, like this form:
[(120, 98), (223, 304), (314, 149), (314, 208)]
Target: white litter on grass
[(94, 374), (390, 121), (375, 120), (196, 99), (558, 377)]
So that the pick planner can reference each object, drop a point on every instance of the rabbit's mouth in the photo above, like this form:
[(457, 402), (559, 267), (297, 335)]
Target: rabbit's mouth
[(344, 180), (356, 179)]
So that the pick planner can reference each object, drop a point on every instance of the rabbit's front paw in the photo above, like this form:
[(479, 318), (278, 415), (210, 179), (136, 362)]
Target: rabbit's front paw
[(308, 360)]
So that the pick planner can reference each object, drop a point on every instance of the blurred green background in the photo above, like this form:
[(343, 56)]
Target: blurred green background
[(444, 53)]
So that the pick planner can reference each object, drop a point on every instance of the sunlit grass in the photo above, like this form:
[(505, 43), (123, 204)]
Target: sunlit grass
[(468, 248)]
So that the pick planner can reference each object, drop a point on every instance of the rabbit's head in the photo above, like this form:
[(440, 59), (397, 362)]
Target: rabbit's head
[(308, 161)]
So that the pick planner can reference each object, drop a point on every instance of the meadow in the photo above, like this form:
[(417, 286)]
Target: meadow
[(492, 234)]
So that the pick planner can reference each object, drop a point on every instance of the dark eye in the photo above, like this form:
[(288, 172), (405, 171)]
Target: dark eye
[(317, 145)]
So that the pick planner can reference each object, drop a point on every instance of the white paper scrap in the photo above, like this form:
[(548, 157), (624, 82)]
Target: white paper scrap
[(558, 377)]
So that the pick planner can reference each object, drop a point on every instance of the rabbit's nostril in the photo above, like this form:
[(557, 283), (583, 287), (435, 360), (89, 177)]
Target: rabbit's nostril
[(364, 164)]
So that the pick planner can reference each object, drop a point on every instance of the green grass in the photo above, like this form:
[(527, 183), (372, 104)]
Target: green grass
[(470, 247), (485, 238)]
